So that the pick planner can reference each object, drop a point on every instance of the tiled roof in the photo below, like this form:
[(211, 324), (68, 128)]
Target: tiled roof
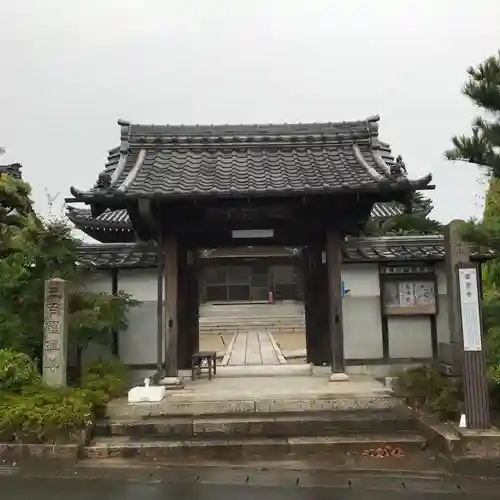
[(230, 160), (111, 255), (119, 219), (385, 249), (110, 219), (13, 170), (394, 248)]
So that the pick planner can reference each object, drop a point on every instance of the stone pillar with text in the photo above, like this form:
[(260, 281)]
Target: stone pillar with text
[(55, 340), (457, 253)]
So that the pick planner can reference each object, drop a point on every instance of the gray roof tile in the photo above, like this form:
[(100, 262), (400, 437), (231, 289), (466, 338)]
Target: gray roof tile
[(14, 170), (386, 249), (225, 160)]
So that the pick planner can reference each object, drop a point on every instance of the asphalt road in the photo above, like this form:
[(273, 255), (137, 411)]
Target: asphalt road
[(217, 484)]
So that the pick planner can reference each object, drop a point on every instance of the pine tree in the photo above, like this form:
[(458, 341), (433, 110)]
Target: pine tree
[(414, 223), (482, 146)]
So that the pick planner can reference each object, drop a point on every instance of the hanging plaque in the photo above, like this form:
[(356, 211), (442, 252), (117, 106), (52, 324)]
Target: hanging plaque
[(409, 297)]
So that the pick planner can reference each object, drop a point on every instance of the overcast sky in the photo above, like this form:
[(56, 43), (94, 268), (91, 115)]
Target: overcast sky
[(70, 68)]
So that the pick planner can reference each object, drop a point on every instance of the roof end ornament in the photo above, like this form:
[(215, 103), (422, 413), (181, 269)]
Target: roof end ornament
[(103, 182), (398, 169)]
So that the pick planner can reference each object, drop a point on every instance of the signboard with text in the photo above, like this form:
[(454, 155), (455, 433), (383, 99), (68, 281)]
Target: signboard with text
[(469, 301)]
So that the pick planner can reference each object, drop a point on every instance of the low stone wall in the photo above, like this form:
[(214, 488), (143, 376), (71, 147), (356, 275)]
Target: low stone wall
[(15, 452), (18, 452), (469, 452)]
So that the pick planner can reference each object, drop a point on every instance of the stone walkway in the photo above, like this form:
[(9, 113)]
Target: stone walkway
[(253, 348)]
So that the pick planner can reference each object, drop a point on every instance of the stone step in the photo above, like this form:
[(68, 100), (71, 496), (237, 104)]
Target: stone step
[(278, 309), (283, 425), (185, 405), (257, 371), (252, 449), (257, 325), (247, 327), (214, 332), (252, 319)]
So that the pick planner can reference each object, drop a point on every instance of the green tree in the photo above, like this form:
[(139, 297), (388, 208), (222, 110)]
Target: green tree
[(482, 146), (32, 251), (416, 222), (92, 319), (17, 218)]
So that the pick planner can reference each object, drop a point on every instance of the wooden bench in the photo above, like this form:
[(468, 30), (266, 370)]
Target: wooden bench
[(196, 360)]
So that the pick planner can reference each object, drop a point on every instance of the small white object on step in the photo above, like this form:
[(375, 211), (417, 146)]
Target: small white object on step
[(147, 393), (463, 421)]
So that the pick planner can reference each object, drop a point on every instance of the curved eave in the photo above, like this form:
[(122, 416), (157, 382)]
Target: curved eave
[(117, 199)]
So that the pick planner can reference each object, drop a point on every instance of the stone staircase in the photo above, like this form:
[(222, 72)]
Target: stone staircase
[(286, 317), (235, 427), (256, 438)]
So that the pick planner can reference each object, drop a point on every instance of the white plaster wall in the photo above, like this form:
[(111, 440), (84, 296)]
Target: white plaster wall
[(137, 345), (97, 282), (140, 283), (410, 337), (361, 279), (361, 312)]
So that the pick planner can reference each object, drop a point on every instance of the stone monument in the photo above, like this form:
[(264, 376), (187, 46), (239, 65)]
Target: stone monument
[(456, 253), (55, 332)]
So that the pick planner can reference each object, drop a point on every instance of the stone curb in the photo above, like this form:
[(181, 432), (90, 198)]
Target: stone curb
[(184, 407), (18, 452), (468, 452), (25, 452), (260, 449), (281, 425)]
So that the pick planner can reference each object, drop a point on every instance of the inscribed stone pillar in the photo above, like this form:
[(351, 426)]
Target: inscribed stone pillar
[(456, 252), (55, 332)]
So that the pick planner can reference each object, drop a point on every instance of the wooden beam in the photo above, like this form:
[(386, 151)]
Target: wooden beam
[(335, 325), (171, 299), (115, 348)]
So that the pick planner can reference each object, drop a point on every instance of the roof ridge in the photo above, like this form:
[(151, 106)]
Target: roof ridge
[(370, 119)]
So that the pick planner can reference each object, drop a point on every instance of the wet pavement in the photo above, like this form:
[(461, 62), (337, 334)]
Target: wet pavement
[(71, 489), (215, 483)]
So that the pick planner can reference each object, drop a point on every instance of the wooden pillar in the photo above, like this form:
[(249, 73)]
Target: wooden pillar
[(309, 304), (159, 311), (193, 311), (335, 325), (188, 330), (115, 347), (171, 310), (316, 305)]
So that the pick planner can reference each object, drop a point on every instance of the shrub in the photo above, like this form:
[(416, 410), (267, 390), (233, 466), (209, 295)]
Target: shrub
[(103, 381), (425, 386), (492, 346), (45, 414), (17, 370)]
